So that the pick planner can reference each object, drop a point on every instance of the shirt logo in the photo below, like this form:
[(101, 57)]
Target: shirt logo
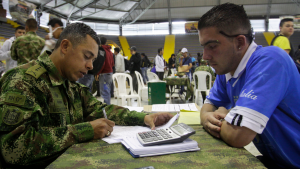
[(249, 95)]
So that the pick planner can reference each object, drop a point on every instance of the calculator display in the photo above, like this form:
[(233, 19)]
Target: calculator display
[(179, 129)]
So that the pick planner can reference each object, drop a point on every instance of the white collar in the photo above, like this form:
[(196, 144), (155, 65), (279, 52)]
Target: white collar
[(242, 65)]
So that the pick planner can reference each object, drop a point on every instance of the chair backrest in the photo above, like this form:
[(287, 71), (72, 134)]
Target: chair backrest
[(140, 80), (152, 76), (201, 80), (121, 79), (173, 71)]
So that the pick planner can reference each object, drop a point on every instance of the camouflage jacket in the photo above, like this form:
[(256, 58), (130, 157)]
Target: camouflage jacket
[(209, 70), (42, 114), (177, 60), (27, 48)]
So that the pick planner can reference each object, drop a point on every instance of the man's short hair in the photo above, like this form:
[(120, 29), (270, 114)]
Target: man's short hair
[(285, 20), (117, 50), (20, 27), (103, 40), (76, 34), (172, 55), (159, 50), (228, 17), (54, 21), (31, 23)]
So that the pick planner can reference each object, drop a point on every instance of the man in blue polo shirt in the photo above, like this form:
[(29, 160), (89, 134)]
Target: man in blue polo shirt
[(185, 62), (256, 96)]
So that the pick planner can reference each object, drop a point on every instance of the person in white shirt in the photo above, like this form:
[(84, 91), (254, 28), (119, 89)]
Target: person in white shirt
[(5, 49), (119, 65), (159, 64)]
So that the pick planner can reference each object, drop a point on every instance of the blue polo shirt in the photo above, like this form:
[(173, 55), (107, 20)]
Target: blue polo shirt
[(264, 95), (186, 61)]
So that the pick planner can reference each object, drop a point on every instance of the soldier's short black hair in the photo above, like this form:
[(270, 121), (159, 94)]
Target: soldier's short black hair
[(103, 40), (285, 20), (20, 27), (159, 50), (54, 21), (117, 50), (76, 34), (229, 18), (31, 23)]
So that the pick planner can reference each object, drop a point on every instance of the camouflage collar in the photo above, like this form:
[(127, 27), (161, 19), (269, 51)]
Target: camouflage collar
[(31, 32), (54, 75)]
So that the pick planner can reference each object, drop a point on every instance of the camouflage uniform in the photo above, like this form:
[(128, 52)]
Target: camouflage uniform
[(42, 114), (177, 60), (27, 48)]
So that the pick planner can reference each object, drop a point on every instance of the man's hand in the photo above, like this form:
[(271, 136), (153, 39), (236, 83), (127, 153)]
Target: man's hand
[(157, 119), (47, 37), (212, 121), (102, 127)]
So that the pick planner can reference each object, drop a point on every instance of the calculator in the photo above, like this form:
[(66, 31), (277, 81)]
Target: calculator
[(174, 134)]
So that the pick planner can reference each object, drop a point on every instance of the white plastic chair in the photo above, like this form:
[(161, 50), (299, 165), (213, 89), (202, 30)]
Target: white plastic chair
[(152, 76), (143, 90), (201, 86), (120, 79)]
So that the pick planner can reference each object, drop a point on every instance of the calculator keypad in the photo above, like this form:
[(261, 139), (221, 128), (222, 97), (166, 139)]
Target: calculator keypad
[(155, 135)]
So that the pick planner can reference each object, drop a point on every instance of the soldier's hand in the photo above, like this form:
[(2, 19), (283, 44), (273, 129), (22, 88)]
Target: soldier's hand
[(157, 119), (102, 127), (212, 122)]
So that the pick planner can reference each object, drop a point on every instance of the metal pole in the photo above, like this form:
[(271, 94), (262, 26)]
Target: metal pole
[(268, 16), (120, 30), (170, 20)]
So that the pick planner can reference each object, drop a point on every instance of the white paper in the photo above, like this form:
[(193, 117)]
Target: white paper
[(174, 107), (120, 132), (138, 109)]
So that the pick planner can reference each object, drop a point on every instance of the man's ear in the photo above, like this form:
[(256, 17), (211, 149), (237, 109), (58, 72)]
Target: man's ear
[(65, 45), (241, 41)]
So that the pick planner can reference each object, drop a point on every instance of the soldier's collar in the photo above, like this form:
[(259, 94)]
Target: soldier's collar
[(31, 32), (55, 77)]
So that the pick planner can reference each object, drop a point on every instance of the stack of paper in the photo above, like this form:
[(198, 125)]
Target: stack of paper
[(173, 107), (120, 132), (137, 150)]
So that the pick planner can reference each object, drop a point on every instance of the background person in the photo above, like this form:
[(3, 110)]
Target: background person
[(5, 49), (282, 41), (120, 64), (159, 64), (28, 47), (135, 65), (105, 74), (144, 67)]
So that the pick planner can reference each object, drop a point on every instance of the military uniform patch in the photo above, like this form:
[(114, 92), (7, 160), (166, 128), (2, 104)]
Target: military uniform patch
[(57, 105), (12, 116), (15, 98), (36, 71)]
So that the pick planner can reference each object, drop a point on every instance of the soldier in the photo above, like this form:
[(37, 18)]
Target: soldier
[(44, 111), (28, 47)]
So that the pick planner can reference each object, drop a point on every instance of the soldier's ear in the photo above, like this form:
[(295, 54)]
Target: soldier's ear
[(64, 46)]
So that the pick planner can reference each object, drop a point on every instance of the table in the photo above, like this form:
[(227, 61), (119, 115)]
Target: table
[(180, 82), (214, 153)]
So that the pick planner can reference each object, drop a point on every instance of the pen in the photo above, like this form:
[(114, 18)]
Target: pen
[(104, 112)]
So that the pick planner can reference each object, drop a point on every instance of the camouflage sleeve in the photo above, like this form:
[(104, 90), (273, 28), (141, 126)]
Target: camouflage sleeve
[(13, 50), (27, 130), (213, 77), (121, 116)]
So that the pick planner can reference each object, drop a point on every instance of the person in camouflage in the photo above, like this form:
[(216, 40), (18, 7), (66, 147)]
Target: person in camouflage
[(208, 69), (177, 59), (28, 47), (44, 111)]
